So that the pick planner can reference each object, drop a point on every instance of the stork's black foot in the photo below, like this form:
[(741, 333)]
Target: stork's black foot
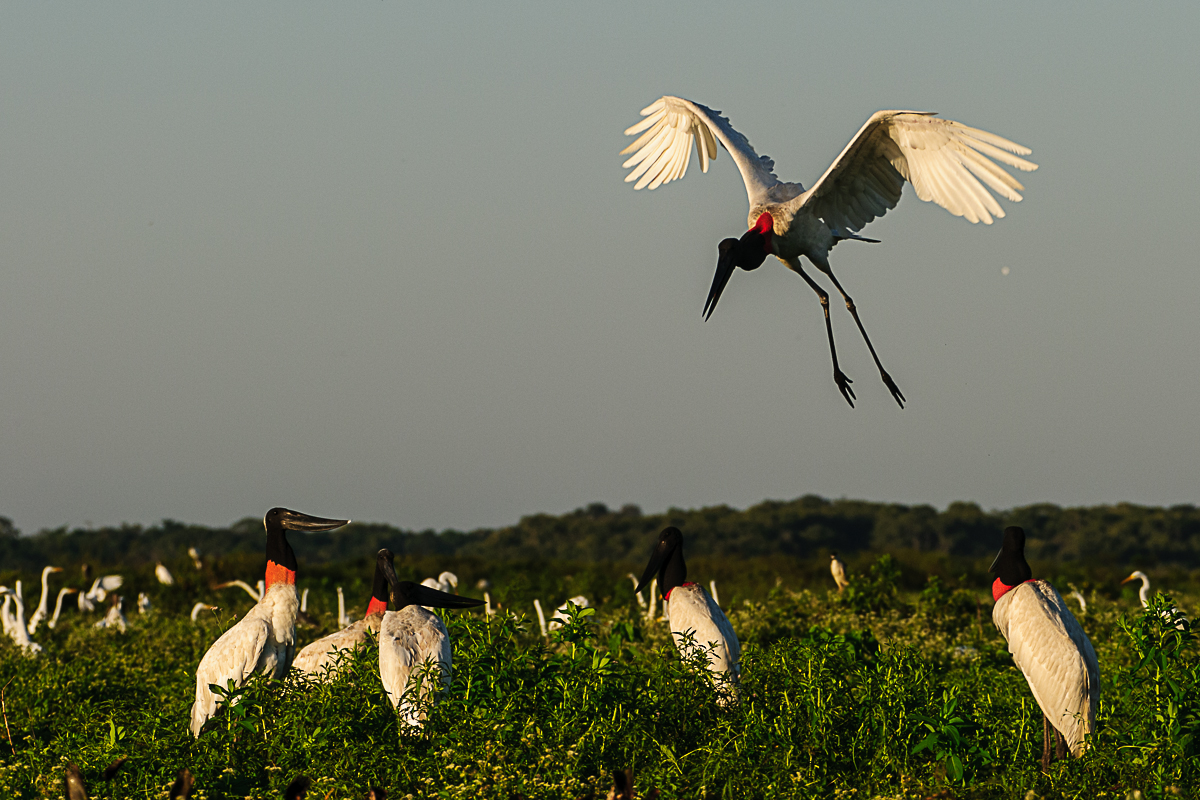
[(893, 388), (843, 384)]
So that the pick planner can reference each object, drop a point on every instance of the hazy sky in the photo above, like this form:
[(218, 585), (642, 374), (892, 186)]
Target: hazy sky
[(377, 260)]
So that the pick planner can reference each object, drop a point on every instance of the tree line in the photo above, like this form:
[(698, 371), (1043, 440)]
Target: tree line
[(803, 528)]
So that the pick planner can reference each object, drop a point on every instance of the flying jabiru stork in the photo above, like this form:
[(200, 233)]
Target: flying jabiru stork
[(410, 637), (1049, 647), (43, 607), (316, 658), (692, 612), (946, 162), (265, 639)]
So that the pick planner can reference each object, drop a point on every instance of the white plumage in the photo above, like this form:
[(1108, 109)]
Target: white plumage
[(16, 625), (409, 639), (262, 641), (43, 607), (1055, 655), (199, 607), (58, 604), (692, 612), (255, 594), (99, 591), (318, 656), (947, 163), (163, 574), (115, 618), (838, 570), (559, 617)]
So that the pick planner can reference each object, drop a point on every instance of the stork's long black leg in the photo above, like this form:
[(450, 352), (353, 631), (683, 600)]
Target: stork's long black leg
[(1060, 749), (1047, 734), (887, 379), (839, 377)]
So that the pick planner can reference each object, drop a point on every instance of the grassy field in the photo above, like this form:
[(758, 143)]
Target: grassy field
[(877, 692)]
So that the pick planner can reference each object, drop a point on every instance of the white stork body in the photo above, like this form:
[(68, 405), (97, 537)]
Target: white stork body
[(43, 607), (1055, 655), (262, 641), (322, 654), (692, 612), (948, 163), (408, 639)]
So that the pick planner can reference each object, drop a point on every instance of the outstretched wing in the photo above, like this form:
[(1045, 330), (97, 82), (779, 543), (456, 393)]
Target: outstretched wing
[(663, 150), (945, 161)]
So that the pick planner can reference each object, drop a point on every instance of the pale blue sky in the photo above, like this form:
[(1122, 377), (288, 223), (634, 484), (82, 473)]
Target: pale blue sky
[(378, 260)]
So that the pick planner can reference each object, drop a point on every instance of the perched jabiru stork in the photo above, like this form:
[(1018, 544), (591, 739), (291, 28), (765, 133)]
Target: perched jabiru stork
[(265, 639), (322, 654), (692, 612), (838, 569), (946, 162), (1049, 647), (410, 637), (43, 607)]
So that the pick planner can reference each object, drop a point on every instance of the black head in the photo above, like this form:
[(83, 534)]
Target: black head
[(666, 562), (278, 520), (1010, 565), (406, 593), (748, 253)]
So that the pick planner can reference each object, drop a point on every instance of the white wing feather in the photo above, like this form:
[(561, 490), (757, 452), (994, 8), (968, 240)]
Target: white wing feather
[(316, 657), (946, 162), (663, 150), (234, 657), (1055, 655)]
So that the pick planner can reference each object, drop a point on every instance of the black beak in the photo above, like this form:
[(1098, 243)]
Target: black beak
[(295, 521), (995, 562), (725, 265), (424, 596), (656, 561)]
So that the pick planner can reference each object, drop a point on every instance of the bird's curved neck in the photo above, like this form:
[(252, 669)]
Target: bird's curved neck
[(1144, 592), (281, 560)]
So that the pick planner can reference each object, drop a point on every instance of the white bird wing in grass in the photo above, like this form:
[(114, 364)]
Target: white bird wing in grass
[(945, 161), (663, 150), (1055, 655), (233, 657), (322, 654), (409, 638)]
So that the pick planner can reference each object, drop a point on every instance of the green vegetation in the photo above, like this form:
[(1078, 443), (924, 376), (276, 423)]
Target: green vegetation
[(881, 691)]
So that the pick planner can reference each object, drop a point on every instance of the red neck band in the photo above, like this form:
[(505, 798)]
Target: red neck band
[(999, 588), (376, 606), (667, 596), (277, 573)]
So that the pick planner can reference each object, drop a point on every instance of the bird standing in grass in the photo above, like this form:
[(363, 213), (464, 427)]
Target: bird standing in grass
[(1049, 647), (411, 637), (692, 613), (265, 639), (43, 607), (946, 162), (315, 658), (838, 570)]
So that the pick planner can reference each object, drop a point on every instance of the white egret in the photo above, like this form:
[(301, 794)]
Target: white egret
[(838, 569), (200, 607), (265, 639), (115, 618), (43, 607), (163, 574), (18, 630), (946, 162), (255, 595), (559, 617), (58, 604)]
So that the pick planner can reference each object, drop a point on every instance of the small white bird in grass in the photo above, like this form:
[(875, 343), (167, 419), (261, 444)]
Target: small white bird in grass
[(838, 569), (58, 604), (194, 554), (411, 637), (17, 626), (693, 613), (43, 607), (560, 617), (946, 162), (115, 618), (265, 639), (316, 658), (6, 616), (1144, 591), (164, 575), (1049, 647), (143, 603), (343, 618), (99, 592)]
